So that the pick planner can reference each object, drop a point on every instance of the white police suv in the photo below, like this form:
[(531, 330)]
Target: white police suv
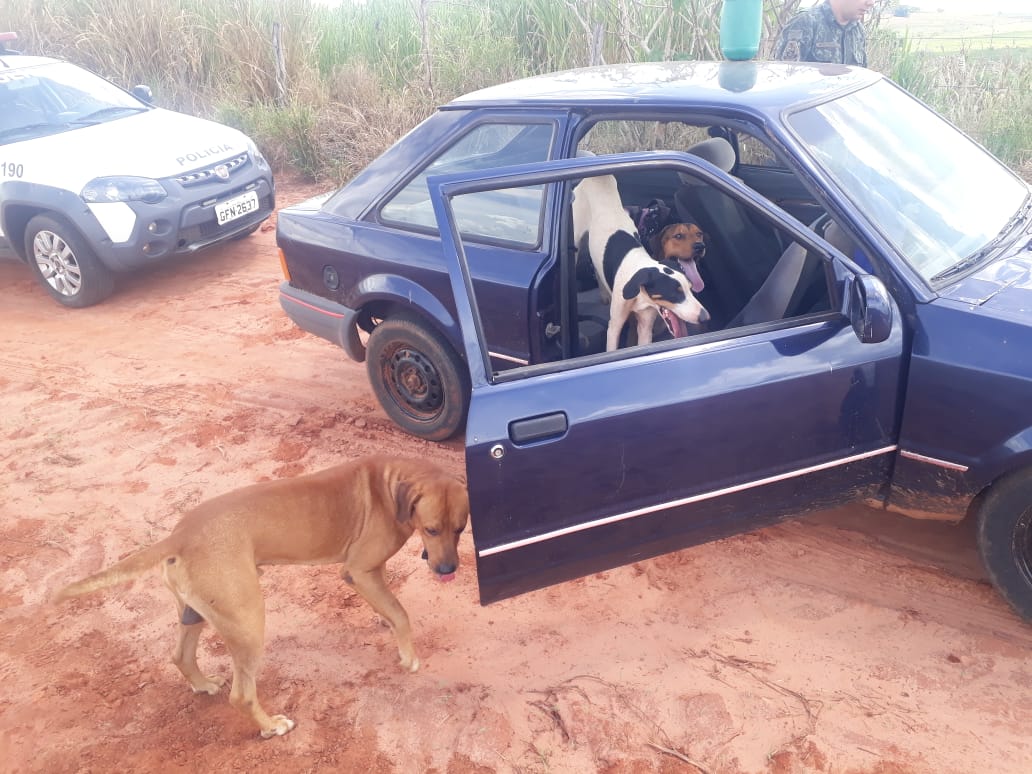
[(95, 180)]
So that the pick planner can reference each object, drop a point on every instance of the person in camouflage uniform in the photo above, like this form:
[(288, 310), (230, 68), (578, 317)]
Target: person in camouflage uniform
[(832, 31)]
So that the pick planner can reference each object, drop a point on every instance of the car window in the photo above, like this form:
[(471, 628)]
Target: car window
[(43, 100), (719, 253), (935, 194), (756, 153), (619, 136), (508, 215)]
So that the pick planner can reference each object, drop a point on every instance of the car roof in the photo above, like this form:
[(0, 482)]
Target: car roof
[(18, 61), (758, 84)]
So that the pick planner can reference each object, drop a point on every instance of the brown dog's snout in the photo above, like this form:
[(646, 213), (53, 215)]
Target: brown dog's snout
[(699, 249), (441, 568)]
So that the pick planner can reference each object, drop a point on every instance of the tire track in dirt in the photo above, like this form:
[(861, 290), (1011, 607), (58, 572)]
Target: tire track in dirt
[(851, 565)]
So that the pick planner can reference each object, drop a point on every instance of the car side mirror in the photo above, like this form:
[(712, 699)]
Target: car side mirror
[(142, 92), (870, 309)]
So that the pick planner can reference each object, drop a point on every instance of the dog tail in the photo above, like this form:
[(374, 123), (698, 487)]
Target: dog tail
[(129, 568)]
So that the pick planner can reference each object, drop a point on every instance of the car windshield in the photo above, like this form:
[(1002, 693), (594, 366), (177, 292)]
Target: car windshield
[(936, 195), (37, 101)]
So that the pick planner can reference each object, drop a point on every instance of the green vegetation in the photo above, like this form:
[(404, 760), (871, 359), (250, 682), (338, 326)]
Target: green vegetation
[(951, 32), (983, 83), (354, 77)]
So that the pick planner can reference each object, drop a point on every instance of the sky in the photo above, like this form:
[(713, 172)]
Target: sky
[(974, 6), (971, 6)]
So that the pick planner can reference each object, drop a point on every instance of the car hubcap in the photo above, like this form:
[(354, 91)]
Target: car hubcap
[(415, 382), (57, 263)]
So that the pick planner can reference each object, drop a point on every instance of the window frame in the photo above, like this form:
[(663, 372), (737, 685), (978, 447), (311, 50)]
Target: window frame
[(798, 231)]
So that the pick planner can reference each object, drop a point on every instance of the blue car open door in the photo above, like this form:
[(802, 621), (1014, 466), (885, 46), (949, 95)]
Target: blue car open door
[(605, 458)]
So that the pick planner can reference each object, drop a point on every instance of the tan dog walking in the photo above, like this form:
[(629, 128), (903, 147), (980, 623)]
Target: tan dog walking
[(358, 514)]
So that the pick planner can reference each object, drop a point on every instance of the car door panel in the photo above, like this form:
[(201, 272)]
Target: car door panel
[(650, 450), (505, 278), (683, 445)]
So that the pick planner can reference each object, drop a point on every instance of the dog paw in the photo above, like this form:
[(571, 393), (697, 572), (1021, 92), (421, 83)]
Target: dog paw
[(211, 685), (281, 724), (410, 664)]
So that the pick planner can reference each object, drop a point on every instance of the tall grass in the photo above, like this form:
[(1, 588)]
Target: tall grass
[(359, 74), (986, 94)]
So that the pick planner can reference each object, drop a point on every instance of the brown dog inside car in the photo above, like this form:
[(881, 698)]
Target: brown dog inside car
[(358, 514), (684, 243)]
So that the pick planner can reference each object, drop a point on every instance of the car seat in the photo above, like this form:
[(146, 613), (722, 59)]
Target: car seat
[(740, 254), (845, 244), (717, 151), (792, 288)]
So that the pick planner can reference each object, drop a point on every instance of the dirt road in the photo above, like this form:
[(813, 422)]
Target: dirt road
[(849, 642)]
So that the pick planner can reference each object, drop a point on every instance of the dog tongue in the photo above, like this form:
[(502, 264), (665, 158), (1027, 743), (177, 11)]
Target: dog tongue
[(446, 578), (676, 325), (691, 271)]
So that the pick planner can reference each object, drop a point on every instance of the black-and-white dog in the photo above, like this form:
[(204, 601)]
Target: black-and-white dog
[(632, 281)]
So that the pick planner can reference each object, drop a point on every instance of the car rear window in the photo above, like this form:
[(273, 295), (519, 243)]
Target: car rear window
[(508, 215)]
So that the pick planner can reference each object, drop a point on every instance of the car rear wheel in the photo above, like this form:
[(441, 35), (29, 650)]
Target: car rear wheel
[(418, 378), (65, 264), (1005, 539)]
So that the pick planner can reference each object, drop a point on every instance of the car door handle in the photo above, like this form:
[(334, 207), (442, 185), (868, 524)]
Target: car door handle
[(538, 428)]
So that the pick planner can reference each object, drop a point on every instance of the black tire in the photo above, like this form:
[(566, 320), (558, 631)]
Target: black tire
[(1005, 539), (418, 378), (65, 264)]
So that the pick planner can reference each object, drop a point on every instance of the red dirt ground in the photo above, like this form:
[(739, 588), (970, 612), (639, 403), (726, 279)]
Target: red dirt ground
[(850, 642)]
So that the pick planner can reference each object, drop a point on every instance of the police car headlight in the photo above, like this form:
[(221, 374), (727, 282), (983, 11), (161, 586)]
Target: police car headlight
[(256, 156), (123, 189)]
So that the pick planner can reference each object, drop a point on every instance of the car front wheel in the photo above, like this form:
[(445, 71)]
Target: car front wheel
[(418, 378), (1005, 539), (65, 264)]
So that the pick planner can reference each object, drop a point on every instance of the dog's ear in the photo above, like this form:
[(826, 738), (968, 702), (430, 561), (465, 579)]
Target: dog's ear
[(635, 283), (405, 498), (655, 244)]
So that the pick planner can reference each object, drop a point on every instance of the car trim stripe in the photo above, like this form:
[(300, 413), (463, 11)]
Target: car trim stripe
[(933, 461), (299, 302), (683, 501)]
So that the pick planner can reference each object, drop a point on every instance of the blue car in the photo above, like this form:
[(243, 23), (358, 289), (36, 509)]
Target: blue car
[(867, 281)]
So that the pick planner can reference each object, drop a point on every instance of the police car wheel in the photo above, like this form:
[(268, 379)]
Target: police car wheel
[(65, 264)]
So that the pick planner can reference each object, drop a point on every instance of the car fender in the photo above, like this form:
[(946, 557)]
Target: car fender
[(406, 295), (946, 494), (928, 487), (1012, 454), (20, 201)]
